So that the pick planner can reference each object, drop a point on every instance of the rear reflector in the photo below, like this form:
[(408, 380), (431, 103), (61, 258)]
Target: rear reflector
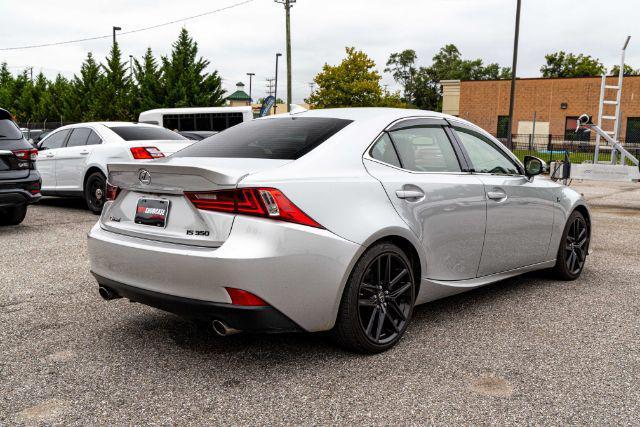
[(142, 153), (263, 202), (112, 191), (247, 299), (30, 154)]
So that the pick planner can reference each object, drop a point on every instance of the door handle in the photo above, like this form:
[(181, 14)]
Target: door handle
[(409, 194), (84, 153), (496, 195), (49, 155)]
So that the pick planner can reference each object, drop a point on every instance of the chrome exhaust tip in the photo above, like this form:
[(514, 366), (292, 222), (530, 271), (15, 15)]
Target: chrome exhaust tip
[(107, 294), (221, 328)]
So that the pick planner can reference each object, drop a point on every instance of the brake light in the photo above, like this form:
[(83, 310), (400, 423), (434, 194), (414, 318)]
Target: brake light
[(240, 297), (263, 202), (141, 153), (29, 154), (112, 191)]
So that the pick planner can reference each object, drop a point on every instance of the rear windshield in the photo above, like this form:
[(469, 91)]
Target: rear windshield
[(9, 130), (145, 133), (286, 138)]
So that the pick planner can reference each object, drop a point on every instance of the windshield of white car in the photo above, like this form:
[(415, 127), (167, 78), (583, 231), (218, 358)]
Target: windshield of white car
[(282, 138), (9, 130), (146, 133)]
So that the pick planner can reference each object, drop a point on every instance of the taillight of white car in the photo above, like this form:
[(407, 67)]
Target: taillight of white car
[(146, 153), (262, 202)]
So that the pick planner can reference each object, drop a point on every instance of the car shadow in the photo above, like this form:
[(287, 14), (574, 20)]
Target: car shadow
[(290, 347), (64, 202)]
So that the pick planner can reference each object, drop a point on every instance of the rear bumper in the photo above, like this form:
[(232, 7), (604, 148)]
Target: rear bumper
[(299, 271), (19, 192), (248, 319)]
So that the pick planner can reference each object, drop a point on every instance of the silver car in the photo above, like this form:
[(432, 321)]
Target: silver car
[(340, 220)]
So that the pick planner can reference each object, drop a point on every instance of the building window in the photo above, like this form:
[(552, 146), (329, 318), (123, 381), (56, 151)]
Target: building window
[(633, 130), (570, 134), (503, 127)]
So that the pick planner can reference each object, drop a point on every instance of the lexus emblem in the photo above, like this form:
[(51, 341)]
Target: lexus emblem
[(144, 177)]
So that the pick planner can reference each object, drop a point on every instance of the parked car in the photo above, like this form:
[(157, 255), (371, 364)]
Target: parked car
[(340, 219), (34, 135), (19, 179), (73, 159), (197, 135)]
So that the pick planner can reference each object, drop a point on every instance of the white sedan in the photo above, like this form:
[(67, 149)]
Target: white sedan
[(73, 159)]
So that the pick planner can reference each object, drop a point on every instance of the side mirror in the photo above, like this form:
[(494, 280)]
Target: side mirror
[(534, 166)]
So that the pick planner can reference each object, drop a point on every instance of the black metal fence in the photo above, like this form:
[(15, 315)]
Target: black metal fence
[(554, 147), (48, 125)]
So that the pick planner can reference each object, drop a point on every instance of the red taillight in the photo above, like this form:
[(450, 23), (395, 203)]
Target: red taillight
[(112, 192), (264, 202), (30, 154), (240, 297), (140, 153)]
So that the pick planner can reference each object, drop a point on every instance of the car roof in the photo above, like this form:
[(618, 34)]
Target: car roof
[(365, 113)]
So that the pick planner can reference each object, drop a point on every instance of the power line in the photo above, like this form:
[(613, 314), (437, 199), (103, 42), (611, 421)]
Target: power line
[(129, 32)]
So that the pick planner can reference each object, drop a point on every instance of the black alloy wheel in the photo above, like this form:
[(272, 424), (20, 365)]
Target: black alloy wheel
[(378, 300), (574, 248), (95, 192)]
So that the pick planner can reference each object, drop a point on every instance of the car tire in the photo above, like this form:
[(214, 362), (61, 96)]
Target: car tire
[(14, 215), (574, 247), (377, 302), (95, 191)]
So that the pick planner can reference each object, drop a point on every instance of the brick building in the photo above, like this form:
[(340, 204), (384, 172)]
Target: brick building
[(557, 102)]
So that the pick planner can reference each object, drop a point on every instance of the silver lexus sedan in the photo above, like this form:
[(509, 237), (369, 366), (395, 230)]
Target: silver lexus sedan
[(335, 220)]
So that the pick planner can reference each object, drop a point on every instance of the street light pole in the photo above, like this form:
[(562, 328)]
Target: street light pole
[(250, 78), (131, 66), (513, 76), (275, 90), (114, 33), (287, 7)]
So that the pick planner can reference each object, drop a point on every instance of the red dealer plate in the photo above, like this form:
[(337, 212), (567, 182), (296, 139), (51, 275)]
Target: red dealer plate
[(152, 212)]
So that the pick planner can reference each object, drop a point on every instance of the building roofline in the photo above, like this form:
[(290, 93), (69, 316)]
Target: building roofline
[(542, 78)]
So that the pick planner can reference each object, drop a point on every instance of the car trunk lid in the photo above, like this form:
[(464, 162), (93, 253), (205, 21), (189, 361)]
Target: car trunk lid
[(161, 184)]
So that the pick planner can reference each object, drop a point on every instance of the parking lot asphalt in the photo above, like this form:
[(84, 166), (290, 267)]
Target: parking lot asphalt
[(529, 350)]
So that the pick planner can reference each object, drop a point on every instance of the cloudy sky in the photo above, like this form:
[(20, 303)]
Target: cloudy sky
[(245, 39)]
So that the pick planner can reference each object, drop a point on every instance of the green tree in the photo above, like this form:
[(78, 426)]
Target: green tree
[(6, 86), (148, 92), (113, 88), (628, 70), (184, 79), (352, 83), (83, 99), (402, 66), (562, 64)]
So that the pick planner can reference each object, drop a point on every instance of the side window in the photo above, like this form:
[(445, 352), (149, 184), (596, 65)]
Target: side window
[(93, 139), (78, 137), (55, 140), (484, 155), (383, 150), (425, 149)]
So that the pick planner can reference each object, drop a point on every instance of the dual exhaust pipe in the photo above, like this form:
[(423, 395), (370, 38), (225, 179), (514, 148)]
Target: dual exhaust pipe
[(219, 327)]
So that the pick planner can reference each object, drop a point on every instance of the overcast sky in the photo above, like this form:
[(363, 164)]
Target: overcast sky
[(245, 39)]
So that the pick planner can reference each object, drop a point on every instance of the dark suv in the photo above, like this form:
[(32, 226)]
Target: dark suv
[(19, 179)]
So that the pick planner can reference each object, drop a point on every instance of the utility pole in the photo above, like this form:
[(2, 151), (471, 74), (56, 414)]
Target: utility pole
[(114, 33), (131, 66), (287, 7), (513, 76), (275, 90), (250, 78), (31, 74)]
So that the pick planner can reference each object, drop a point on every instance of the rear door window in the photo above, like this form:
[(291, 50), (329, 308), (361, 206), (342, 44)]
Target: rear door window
[(383, 151), (283, 138), (93, 139), (55, 140), (78, 137)]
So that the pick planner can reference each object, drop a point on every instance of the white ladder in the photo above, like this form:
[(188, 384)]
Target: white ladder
[(614, 133)]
